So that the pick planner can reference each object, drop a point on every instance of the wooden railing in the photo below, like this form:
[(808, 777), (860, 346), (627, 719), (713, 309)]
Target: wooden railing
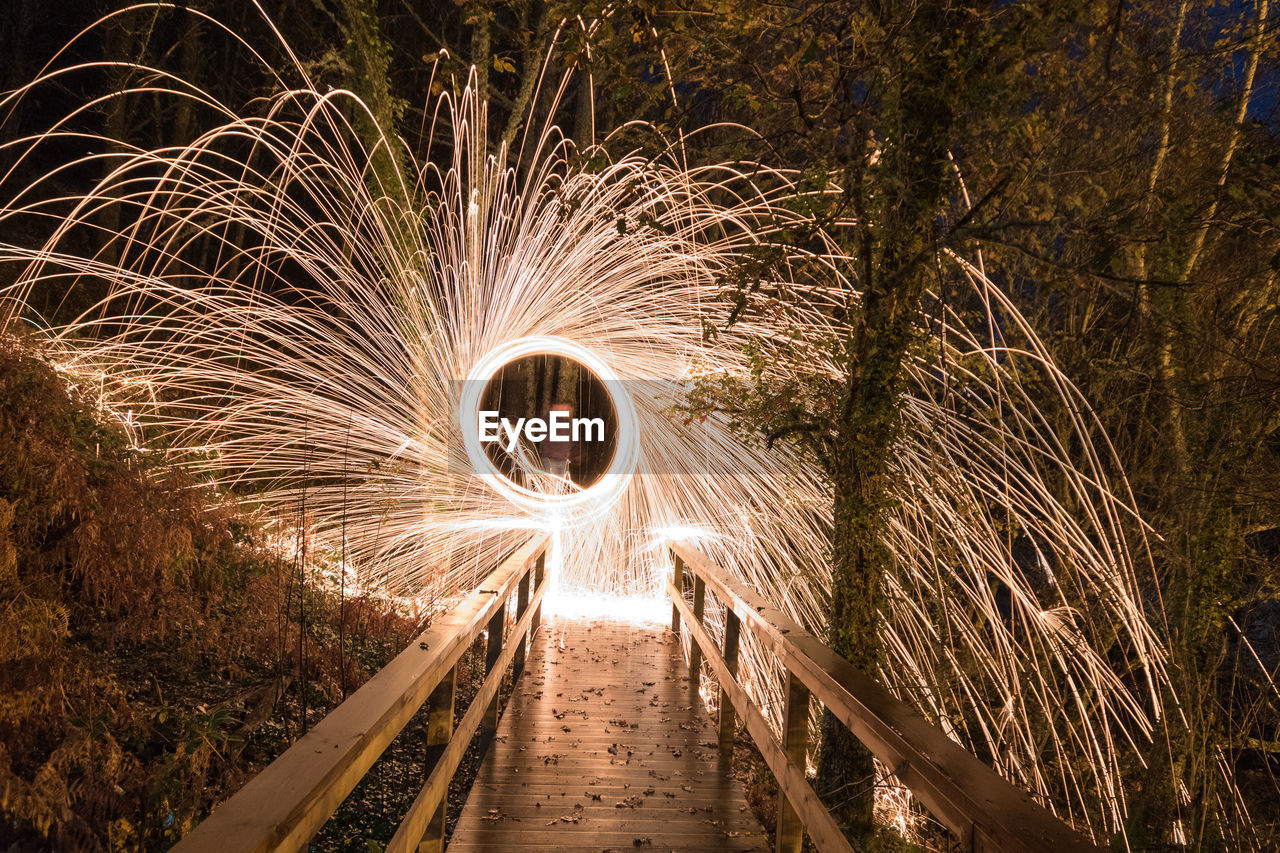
[(984, 811), (288, 802)]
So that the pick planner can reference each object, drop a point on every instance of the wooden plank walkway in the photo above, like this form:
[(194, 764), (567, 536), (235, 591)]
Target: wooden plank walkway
[(605, 746)]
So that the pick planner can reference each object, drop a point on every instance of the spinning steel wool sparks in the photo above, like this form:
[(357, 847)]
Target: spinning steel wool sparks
[(308, 318)]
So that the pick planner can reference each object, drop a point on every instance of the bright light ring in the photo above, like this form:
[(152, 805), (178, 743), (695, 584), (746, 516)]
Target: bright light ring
[(579, 504)]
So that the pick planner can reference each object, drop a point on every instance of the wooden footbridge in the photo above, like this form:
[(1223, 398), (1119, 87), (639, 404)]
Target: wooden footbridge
[(605, 743)]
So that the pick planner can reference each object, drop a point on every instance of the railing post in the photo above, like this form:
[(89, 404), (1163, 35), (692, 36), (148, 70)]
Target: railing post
[(497, 626), (732, 627), (522, 604), (539, 568), (795, 743), (439, 731), (695, 653), (677, 581)]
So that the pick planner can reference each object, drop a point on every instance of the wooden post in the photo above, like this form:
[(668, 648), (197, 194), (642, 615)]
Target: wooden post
[(795, 743), (695, 652), (522, 604), (732, 627), (497, 626), (439, 731), (677, 581), (539, 567)]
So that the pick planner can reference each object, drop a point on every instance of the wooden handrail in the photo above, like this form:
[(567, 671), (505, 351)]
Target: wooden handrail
[(984, 810), (289, 801)]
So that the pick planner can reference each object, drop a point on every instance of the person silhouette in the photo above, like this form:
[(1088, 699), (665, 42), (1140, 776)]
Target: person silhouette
[(556, 455)]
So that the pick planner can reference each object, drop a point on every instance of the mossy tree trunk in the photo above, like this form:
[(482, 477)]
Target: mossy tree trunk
[(901, 184)]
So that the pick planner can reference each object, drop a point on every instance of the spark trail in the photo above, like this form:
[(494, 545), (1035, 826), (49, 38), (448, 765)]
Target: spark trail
[(297, 311)]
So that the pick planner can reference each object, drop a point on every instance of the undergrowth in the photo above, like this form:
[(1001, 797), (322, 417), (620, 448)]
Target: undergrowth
[(154, 653)]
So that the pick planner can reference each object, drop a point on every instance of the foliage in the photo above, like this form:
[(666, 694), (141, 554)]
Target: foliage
[(142, 630), (1122, 165)]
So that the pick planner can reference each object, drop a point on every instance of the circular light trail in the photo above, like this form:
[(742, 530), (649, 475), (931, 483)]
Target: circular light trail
[(578, 504)]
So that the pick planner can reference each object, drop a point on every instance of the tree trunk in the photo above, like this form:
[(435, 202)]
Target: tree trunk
[(481, 47), (906, 185), (846, 767)]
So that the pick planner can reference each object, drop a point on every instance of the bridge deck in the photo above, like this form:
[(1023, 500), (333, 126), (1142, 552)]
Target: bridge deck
[(605, 746)]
